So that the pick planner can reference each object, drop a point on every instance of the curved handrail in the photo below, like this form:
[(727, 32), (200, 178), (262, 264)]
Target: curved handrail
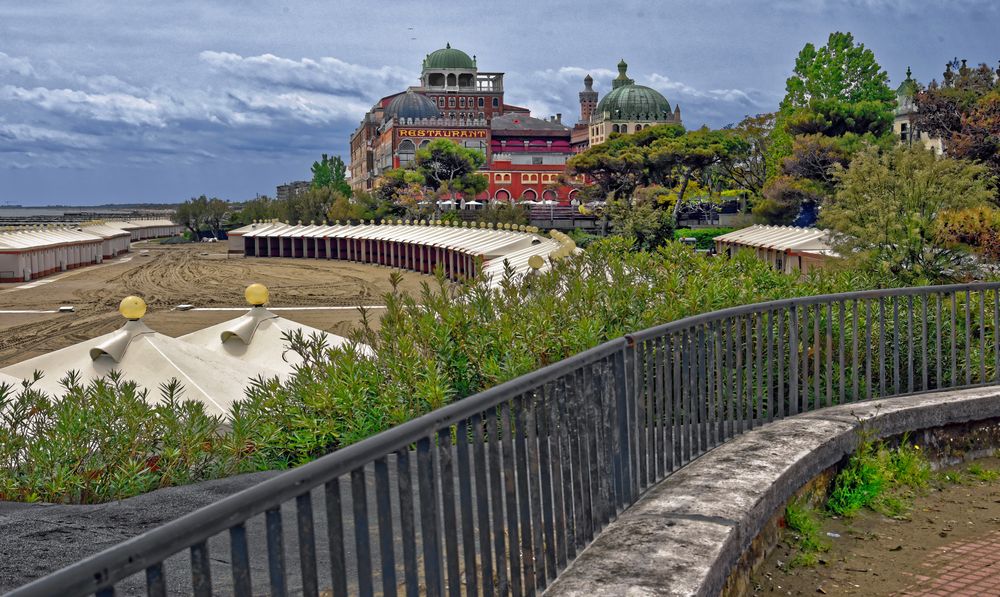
[(554, 455)]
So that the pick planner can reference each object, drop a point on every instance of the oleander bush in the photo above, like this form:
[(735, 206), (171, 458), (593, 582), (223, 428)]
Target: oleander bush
[(102, 440)]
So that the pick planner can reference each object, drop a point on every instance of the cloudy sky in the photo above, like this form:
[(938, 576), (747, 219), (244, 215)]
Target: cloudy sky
[(158, 101)]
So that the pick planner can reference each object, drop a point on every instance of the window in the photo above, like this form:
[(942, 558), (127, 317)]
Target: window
[(496, 102), (529, 178), (481, 115), (461, 102), (536, 161), (441, 101), (614, 128), (451, 115), (482, 102), (502, 177), (451, 102), (406, 153)]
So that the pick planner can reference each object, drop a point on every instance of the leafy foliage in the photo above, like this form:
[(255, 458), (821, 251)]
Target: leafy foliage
[(879, 478), (331, 173), (887, 205), (104, 441), (703, 236), (840, 70)]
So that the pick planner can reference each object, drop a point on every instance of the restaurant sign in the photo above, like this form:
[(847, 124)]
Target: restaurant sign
[(443, 133)]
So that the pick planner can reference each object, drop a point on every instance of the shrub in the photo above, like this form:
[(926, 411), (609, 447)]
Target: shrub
[(703, 236), (103, 441)]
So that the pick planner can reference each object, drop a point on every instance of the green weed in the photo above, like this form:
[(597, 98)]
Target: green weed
[(979, 473), (805, 526)]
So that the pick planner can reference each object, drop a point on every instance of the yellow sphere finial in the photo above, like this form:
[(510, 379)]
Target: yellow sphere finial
[(256, 294), (536, 262), (132, 308)]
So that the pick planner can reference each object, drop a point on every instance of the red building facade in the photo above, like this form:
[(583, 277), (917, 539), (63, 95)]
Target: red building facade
[(525, 156)]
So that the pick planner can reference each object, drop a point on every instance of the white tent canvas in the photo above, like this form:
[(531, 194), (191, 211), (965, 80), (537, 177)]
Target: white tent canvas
[(150, 359), (257, 338)]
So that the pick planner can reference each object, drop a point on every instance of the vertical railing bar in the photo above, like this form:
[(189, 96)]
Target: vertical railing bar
[(362, 532), (841, 357), (968, 337), (954, 332), (465, 498), (201, 571), (718, 404), (589, 402), (449, 522), (307, 544), (570, 412), (407, 522), (430, 529), (702, 393), (869, 378), (769, 388), (665, 447), (758, 412), (711, 421), (807, 404), (909, 344), (640, 385), (276, 552), (828, 348), (855, 368), (881, 348), (551, 438), (793, 360), (896, 374), (982, 336), (671, 395), (156, 582), (746, 409), (240, 555), (725, 373), (924, 365), (782, 410), (938, 367), (529, 437), (510, 488), (482, 503), (497, 494), (817, 350), (335, 538), (687, 368)]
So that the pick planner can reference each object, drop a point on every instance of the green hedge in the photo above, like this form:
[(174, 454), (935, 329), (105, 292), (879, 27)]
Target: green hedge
[(704, 236), (102, 441)]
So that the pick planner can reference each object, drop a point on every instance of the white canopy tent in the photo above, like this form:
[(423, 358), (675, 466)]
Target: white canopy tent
[(258, 339), (150, 359), (787, 248)]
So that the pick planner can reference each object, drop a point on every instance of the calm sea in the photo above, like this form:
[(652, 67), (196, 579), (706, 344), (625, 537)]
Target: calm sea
[(24, 212)]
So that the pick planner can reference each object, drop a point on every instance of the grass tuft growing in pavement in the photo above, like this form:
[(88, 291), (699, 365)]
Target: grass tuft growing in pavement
[(805, 526)]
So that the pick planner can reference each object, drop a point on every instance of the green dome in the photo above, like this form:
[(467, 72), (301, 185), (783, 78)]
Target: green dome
[(628, 101), (908, 88), (634, 102), (448, 57)]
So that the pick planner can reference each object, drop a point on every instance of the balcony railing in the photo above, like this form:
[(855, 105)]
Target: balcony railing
[(498, 492)]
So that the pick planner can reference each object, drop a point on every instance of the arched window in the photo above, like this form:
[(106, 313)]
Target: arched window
[(549, 195), (452, 81), (482, 115), (638, 128), (435, 80), (614, 128), (405, 152), (496, 102), (482, 102), (529, 195), (425, 143), (503, 195)]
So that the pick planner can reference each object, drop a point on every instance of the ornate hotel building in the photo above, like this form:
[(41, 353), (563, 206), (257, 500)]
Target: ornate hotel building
[(525, 156)]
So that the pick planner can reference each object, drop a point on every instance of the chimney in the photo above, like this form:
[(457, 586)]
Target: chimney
[(559, 117)]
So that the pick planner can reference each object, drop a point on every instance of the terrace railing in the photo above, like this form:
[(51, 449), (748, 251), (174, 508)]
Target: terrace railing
[(498, 492)]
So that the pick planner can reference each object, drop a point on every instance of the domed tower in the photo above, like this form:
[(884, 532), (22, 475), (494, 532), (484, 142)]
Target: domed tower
[(588, 99), (629, 108), (411, 106), (449, 69)]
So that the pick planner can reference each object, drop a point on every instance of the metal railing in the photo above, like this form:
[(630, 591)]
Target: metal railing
[(498, 492)]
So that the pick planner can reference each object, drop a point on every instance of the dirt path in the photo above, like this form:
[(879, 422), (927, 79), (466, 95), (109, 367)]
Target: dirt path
[(950, 546), (168, 275)]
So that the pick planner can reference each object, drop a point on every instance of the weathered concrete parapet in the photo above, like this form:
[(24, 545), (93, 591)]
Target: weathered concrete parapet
[(686, 534)]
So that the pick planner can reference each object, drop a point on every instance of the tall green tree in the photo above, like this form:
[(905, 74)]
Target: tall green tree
[(451, 168), (887, 206), (841, 70), (217, 214), (746, 166), (192, 214), (331, 172)]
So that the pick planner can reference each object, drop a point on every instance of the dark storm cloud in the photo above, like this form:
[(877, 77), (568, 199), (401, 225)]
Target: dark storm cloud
[(106, 101)]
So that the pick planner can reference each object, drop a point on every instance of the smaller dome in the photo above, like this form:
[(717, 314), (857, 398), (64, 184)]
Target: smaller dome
[(449, 57), (412, 105), (908, 88)]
